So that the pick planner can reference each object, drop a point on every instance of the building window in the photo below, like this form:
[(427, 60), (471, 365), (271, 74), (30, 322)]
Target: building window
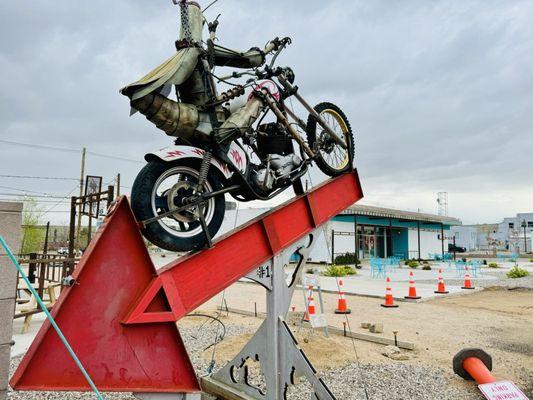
[(511, 225)]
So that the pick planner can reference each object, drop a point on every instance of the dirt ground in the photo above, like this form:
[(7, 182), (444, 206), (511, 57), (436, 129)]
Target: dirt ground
[(499, 321)]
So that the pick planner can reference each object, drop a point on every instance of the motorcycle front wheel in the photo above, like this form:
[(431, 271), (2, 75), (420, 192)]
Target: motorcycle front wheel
[(331, 158), (161, 187)]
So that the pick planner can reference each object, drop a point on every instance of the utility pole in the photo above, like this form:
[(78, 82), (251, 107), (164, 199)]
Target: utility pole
[(45, 247), (80, 209), (118, 184)]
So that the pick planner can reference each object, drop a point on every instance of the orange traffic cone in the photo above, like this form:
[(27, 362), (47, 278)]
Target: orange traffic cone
[(389, 300), (412, 289), (311, 306), (341, 304), (441, 289), (310, 310), (468, 283)]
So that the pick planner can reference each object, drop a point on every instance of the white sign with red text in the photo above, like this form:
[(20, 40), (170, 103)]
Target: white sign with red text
[(502, 390)]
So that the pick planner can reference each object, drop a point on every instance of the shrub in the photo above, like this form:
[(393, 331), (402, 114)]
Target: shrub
[(517, 272), (339, 270), (531, 260), (335, 270), (493, 265), (310, 271), (347, 258), (413, 264), (350, 270), (484, 262), (426, 267)]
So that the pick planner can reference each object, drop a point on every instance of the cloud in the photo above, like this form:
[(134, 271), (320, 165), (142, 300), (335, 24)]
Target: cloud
[(438, 93)]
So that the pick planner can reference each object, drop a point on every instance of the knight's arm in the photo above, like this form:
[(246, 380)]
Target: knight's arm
[(255, 57)]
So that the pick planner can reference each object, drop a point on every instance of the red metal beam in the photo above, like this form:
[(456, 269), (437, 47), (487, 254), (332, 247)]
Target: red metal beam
[(192, 280)]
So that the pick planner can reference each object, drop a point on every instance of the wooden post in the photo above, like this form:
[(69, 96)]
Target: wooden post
[(110, 196), (118, 184), (32, 268), (78, 228), (90, 214)]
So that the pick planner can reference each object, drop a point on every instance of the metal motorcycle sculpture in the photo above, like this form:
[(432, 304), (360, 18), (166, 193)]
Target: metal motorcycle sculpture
[(179, 196)]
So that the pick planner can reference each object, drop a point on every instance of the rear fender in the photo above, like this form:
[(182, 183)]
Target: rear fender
[(173, 153)]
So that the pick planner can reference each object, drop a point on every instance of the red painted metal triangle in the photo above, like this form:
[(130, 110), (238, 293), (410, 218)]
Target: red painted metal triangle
[(113, 274)]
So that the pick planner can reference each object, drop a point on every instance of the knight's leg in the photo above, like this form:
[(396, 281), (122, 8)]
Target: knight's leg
[(239, 122)]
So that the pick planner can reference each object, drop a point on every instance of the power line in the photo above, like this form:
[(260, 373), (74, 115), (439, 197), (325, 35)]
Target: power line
[(34, 195), (38, 177), (31, 192), (68, 150), (36, 201)]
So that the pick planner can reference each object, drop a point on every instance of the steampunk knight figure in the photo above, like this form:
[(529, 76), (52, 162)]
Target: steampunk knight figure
[(179, 196)]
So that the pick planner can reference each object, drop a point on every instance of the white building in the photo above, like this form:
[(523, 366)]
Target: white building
[(381, 232)]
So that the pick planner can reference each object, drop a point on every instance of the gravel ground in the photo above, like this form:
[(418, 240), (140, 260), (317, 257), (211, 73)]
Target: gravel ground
[(393, 381)]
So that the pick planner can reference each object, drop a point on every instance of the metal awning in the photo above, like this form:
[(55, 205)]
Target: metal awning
[(381, 212)]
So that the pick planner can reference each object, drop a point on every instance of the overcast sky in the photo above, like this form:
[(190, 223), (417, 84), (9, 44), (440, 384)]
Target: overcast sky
[(439, 93)]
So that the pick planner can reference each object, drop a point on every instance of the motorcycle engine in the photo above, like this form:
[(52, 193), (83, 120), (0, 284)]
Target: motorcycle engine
[(277, 171), (275, 147)]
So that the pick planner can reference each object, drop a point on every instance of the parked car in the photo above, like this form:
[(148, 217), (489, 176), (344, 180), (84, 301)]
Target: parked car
[(62, 250), (455, 249)]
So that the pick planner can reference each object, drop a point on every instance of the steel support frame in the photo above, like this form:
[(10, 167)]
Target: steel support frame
[(273, 346)]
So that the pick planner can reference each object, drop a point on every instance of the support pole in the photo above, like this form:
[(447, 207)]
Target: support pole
[(442, 238), (333, 246), (391, 237), (418, 232), (45, 247), (356, 242)]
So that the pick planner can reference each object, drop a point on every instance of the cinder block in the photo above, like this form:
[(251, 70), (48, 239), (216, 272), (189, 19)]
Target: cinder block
[(5, 352), (7, 309), (376, 328)]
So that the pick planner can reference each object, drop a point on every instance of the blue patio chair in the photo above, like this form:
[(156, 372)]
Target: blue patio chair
[(377, 268), (448, 258), (513, 257), (393, 263), (460, 269), (501, 257), (475, 268)]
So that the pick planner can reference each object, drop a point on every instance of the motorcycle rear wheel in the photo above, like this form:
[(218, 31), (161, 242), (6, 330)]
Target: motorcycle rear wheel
[(331, 158), (159, 187)]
